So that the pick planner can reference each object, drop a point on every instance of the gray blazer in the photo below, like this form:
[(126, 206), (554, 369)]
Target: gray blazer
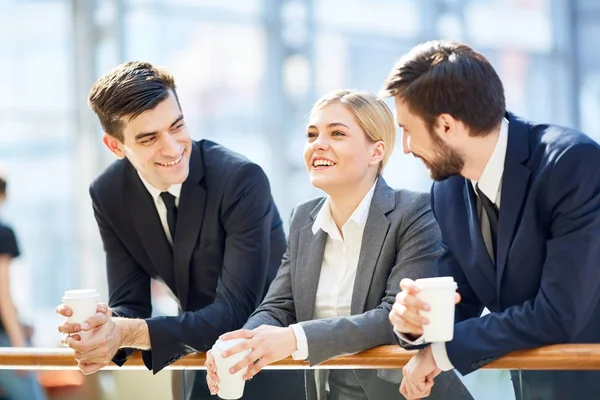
[(401, 239)]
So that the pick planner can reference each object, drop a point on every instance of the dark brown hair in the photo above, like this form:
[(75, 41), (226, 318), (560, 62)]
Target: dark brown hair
[(3, 185), (126, 92), (440, 77)]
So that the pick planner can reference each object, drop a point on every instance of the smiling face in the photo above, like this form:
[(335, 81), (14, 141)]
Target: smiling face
[(338, 154), (157, 144), (442, 160)]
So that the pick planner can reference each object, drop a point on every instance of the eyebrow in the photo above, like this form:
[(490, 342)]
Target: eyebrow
[(331, 125), (146, 134)]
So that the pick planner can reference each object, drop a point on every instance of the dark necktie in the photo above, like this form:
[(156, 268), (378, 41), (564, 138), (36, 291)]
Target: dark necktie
[(492, 212), (169, 201)]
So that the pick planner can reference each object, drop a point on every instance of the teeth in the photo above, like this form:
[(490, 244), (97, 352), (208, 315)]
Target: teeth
[(318, 163), (170, 164)]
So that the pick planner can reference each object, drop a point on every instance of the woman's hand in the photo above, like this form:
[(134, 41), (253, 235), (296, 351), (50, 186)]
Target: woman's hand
[(268, 344)]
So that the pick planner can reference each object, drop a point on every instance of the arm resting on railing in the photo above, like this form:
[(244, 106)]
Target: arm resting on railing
[(555, 357)]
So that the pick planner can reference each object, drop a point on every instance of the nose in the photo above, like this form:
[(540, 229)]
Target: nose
[(405, 142), (320, 143), (170, 147)]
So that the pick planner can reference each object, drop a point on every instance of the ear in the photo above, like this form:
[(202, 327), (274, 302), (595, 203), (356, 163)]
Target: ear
[(114, 145), (377, 152), (446, 127)]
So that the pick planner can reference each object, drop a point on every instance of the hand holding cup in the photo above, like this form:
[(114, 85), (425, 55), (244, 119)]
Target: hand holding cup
[(411, 312), (78, 306)]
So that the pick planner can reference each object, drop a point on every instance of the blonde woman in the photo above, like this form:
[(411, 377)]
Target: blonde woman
[(346, 255)]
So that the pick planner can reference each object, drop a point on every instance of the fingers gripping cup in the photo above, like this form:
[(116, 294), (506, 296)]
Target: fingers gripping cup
[(231, 386), (439, 294), (84, 303)]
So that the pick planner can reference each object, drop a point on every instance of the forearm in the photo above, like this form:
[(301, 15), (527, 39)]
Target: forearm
[(331, 337), (277, 309), (133, 333), (478, 341), (267, 317), (174, 337), (8, 312), (10, 319)]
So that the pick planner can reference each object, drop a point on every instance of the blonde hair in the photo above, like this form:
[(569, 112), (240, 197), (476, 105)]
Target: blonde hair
[(371, 113)]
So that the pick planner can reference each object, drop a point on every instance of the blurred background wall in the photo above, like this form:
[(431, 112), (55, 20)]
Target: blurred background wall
[(248, 72)]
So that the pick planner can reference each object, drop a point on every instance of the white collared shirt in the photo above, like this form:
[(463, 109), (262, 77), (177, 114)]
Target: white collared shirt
[(338, 270), (490, 183), (175, 190)]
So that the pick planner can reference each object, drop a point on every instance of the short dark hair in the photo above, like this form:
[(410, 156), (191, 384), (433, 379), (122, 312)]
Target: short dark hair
[(3, 184), (129, 90), (440, 77)]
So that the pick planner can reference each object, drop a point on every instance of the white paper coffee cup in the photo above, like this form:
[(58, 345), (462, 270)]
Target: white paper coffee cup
[(83, 303), (439, 294), (231, 386)]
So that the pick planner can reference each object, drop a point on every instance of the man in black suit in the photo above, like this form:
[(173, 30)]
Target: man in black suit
[(194, 215)]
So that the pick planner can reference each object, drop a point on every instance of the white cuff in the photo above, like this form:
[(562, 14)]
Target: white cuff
[(301, 352), (417, 342), (440, 355)]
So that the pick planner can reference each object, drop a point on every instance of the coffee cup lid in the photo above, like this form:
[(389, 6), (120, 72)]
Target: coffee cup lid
[(442, 281), (80, 294), (223, 345)]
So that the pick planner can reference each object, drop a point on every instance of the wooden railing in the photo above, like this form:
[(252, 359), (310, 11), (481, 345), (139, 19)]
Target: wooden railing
[(556, 357)]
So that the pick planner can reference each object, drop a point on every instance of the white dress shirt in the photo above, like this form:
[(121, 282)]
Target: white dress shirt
[(175, 190), (490, 183), (338, 270)]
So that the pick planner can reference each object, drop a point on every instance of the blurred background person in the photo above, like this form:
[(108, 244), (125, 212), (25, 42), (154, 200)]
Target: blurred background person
[(15, 385)]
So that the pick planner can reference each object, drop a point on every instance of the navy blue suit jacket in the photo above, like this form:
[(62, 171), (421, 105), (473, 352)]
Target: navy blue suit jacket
[(545, 286), (228, 247)]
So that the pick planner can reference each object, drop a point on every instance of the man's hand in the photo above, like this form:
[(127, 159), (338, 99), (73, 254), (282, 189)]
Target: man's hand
[(268, 344), (69, 329), (96, 351), (212, 379), (419, 373), (406, 311)]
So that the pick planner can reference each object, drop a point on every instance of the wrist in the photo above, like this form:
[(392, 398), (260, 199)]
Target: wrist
[(293, 340), (17, 337), (19, 342), (410, 336), (132, 333), (120, 331)]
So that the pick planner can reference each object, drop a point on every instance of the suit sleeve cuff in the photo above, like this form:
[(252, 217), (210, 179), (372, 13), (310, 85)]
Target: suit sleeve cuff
[(301, 352), (440, 356), (122, 355), (416, 342)]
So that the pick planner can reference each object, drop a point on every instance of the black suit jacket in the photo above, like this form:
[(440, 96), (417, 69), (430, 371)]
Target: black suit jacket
[(228, 246), (544, 287)]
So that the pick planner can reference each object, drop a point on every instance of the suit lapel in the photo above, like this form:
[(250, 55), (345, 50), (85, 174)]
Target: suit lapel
[(374, 234), (147, 224), (189, 222), (311, 248), (514, 188)]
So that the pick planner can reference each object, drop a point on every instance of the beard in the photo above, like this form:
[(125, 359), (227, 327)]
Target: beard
[(448, 161)]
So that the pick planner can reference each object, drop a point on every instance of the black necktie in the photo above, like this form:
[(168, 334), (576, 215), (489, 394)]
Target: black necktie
[(169, 201), (492, 212)]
